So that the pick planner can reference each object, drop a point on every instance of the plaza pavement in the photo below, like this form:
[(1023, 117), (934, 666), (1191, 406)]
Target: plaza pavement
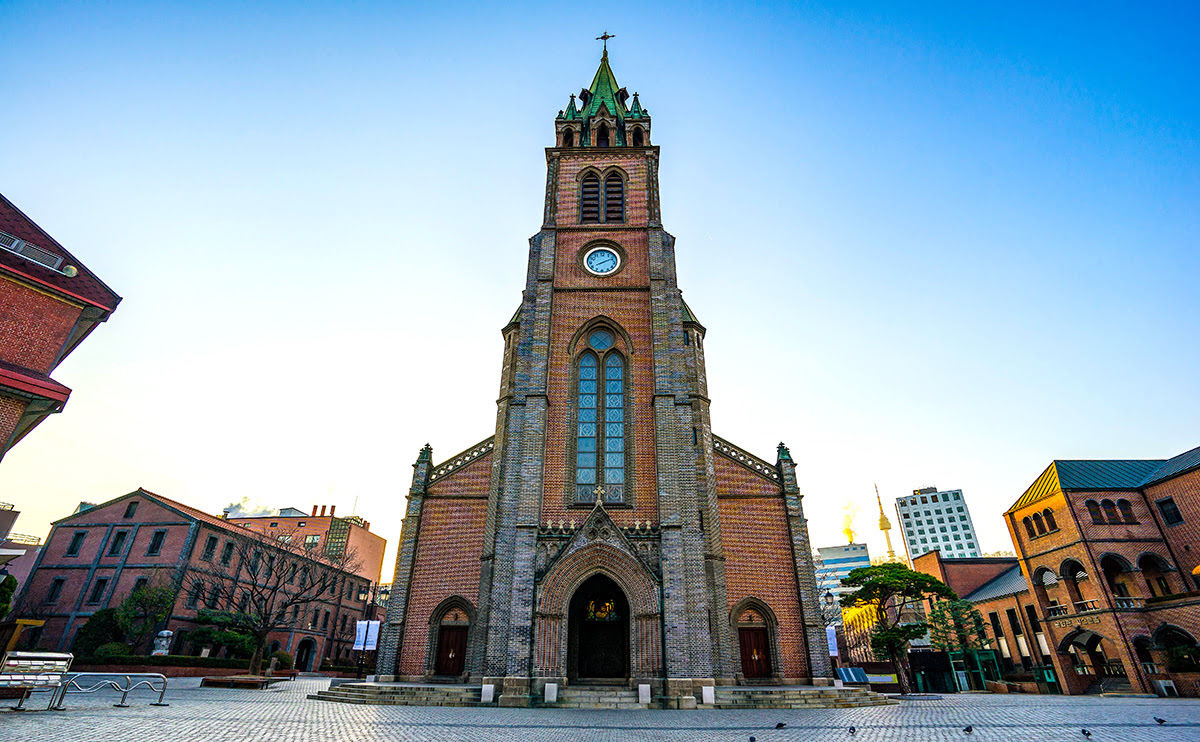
[(283, 713)]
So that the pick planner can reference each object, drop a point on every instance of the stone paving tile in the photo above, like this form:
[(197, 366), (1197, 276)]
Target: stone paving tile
[(283, 713)]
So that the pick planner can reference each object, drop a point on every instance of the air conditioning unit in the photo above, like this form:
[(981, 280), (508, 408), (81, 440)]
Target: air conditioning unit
[(1165, 688)]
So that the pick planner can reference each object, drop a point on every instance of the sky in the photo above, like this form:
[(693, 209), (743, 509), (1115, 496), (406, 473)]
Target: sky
[(933, 244)]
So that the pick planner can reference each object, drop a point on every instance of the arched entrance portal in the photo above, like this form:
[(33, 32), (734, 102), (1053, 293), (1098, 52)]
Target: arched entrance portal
[(304, 655), (598, 631)]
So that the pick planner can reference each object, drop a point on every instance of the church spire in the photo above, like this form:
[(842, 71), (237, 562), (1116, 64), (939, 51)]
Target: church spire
[(603, 118)]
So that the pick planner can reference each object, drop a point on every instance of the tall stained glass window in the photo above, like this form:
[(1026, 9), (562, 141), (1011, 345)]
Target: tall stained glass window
[(600, 424)]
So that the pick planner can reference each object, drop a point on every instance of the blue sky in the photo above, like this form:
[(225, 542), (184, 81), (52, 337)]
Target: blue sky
[(932, 244)]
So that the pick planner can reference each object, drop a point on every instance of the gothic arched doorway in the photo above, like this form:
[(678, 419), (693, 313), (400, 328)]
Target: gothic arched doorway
[(304, 654), (598, 631)]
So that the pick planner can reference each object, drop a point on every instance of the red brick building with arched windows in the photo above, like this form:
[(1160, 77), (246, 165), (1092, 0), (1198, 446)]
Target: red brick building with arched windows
[(1112, 551), (602, 532)]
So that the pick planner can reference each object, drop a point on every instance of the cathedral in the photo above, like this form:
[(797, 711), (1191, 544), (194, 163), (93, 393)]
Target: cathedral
[(603, 534)]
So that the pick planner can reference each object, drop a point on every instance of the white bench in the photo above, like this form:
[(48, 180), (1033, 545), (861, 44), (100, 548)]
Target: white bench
[(34, 671)]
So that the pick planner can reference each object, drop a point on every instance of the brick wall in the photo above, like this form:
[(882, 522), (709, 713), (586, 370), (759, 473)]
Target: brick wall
[(11, 410), (1183, 538), (758, 563), (447, 563), (33, 326)]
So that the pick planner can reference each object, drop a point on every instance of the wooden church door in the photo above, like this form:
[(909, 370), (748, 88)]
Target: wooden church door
[(756, 653), (452, 650)]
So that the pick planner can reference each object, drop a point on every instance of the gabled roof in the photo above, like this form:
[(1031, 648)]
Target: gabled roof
[(1118, 474), (1009, 582), (1181, 464), (84, 287), (688, 316), (1105, 474)]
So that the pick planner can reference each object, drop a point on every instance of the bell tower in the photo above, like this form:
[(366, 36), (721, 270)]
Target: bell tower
[(599, 507)]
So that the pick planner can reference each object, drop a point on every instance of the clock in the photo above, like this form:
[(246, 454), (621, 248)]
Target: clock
[(601, 261)]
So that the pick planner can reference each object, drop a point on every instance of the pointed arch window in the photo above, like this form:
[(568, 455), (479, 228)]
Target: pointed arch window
[(600, 423), (602, 135), (568, 138), (614, 198), (590, 199), (637, 137)]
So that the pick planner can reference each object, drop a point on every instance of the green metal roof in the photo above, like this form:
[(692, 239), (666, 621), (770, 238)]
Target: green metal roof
[(1117, 474), (687, 314), (1180, 464), (1084, 474), (605, 92), (1009, 582), (636, 111)]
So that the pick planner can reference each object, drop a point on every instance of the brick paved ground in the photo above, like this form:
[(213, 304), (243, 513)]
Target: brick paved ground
[(283, 713)]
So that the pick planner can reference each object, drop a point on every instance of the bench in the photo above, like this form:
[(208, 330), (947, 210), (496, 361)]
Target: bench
[(34, 671)]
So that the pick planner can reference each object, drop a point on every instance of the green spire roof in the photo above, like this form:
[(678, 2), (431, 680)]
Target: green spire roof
[(605, 91), (637, 112), (572, 113)]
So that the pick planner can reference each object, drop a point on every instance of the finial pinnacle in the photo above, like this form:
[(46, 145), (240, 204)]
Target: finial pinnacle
[(605, 37)]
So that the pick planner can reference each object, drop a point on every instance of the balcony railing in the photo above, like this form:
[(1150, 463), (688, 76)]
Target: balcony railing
[(1127, 604), (1056, 611), (1113, 669), (1083, 606), (1150, 668), (1084, 670)]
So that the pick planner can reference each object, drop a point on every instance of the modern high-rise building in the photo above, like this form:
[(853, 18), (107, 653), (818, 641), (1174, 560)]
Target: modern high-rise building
[(832, 563), (932, 520)]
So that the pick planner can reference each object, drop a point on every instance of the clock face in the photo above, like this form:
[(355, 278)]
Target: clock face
[(602, 261)]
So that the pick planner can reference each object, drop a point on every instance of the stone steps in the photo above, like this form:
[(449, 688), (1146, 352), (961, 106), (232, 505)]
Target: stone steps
[(376, 695), (592, 697), (790, 698)]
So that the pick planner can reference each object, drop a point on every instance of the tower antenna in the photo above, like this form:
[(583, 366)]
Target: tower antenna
[(885, 526)]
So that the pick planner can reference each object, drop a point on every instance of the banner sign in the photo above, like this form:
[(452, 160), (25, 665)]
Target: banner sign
[(366, 635)]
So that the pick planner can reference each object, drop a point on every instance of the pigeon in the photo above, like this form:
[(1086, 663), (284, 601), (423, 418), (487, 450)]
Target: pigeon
[(853, 731), (781, 725), (1086, 733), (968, 729), (1160, 721)]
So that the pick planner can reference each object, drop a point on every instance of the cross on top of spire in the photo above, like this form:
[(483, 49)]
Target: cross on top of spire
[(605, 37)]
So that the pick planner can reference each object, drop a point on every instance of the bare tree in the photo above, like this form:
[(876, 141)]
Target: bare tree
[(266, 585)]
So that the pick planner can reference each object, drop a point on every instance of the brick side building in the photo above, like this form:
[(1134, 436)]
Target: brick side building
[(325, 534), (997, 588), (1112, 553), (591, 535), (96, 557), (49, 302)]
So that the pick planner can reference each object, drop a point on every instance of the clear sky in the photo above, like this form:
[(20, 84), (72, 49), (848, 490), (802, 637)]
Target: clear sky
[(940, 244)]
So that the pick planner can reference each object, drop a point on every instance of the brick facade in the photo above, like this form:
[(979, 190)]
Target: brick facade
[(704, 534), (1113, 579), (98, 556)]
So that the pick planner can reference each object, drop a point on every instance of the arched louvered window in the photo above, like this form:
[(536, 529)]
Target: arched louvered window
[(1050, 522), (568, 138), (1029, 527), (1038, 524), (614, 198), (600, 423), (637, 137), (1126, 511), (602, 135), (1110, 511), (589, 199), (1094, 511)]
